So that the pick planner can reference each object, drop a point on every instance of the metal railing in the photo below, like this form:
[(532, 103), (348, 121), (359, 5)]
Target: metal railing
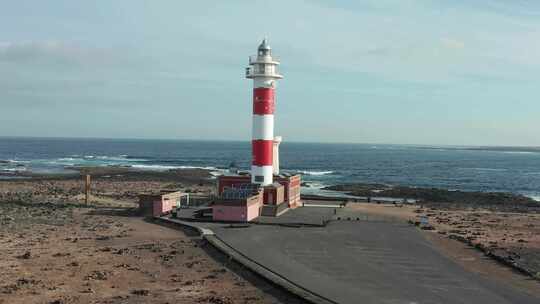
[(254, 59), (250, 72)]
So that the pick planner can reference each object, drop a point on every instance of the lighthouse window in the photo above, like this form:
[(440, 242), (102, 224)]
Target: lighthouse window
[(259, 178), (261, 68)]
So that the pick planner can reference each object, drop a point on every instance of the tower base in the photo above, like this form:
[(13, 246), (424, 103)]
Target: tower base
[(284, 191)]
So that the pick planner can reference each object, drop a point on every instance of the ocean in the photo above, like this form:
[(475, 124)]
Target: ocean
[(515, 170)]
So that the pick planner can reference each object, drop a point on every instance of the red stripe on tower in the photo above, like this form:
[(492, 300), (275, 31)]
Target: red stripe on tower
[(263, 101), (262, 152)]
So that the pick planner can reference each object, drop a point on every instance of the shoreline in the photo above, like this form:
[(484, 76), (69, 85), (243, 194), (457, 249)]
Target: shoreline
[(360, 190)]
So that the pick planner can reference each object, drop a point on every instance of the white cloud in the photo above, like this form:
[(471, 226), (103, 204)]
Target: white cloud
[(52, 52), (452, 43)]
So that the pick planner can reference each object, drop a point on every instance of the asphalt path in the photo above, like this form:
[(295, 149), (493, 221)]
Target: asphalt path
[(363, 261)]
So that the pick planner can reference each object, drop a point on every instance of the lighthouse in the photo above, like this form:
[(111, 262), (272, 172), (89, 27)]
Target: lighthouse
[(243, 197), (263, 70)]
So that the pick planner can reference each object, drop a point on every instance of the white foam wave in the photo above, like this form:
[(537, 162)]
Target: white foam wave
[(314, 185), (13, 169), (109, 157), (195, 167), (316, 173), (533, 195), (518, 152), (16, 161), (120, 159), (67, 159), (485, 169), (59, 162), (164, 167)]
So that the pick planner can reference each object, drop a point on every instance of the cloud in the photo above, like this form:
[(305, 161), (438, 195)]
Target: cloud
[(378, 51), (452, 43), (52, 52)]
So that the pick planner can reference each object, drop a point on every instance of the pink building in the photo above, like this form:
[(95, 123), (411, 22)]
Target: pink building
[(157, 204), (235, 206)]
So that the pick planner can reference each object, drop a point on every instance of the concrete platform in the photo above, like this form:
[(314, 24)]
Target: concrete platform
[(366, 262)]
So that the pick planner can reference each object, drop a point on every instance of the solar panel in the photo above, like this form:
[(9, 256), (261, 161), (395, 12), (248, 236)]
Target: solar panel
[(242, 191)]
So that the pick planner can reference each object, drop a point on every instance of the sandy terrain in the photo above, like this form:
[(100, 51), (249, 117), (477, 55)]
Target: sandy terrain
[(55, 249)]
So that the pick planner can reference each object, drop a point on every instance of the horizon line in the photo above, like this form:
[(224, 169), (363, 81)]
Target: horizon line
[(238, 140)]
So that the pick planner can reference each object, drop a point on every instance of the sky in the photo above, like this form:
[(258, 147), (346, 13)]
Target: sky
[(431, 72)]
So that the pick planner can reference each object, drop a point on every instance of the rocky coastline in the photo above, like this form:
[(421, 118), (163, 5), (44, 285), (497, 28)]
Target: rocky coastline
[(443, 198)]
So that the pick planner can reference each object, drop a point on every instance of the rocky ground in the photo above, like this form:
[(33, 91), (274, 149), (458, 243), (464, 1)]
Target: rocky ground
[(442, 198), (56, 249)]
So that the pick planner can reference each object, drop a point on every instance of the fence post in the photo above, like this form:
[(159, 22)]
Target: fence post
[(87, 188)]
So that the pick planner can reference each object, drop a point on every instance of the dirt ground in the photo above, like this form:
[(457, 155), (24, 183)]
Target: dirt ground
[(514, 237), (57, 250)]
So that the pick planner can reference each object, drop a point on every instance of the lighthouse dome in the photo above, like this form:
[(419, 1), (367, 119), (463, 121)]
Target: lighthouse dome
[(264, 45), (264, 49)]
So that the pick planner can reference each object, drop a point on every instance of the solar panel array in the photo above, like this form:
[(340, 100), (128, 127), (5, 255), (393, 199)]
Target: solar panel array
[(240, 192)]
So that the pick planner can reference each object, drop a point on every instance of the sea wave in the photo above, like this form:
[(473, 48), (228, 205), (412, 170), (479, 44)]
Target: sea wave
[(15, 161), (108, 159), (314, 185), (164, 167), (113, 158), (484, 169), (63, 161), (130, 157), (316, 173), (531, 194), (517, 152), (19, 169), (67, 159)]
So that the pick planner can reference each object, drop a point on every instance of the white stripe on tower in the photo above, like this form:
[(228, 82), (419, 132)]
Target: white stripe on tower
[(263, 127)]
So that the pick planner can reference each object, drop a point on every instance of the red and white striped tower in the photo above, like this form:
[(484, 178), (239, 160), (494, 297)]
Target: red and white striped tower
[(263, 71)]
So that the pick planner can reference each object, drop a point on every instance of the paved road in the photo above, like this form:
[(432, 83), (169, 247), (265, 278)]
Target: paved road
[(365, 262)]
